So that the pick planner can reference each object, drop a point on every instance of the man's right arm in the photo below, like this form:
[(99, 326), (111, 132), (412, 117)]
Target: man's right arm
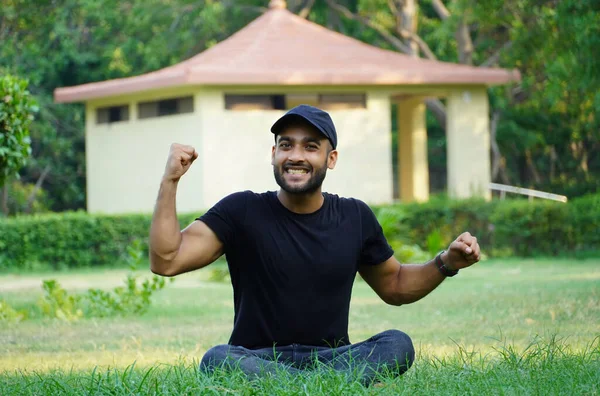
[(173, 252)]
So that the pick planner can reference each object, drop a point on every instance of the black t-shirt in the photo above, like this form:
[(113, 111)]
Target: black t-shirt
[(292, 274)]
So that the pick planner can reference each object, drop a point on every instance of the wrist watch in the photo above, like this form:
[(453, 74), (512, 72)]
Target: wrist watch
[(440, 265)]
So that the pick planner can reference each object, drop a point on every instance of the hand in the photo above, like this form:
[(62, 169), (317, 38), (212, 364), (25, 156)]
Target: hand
[(462, 253), (180, 160)]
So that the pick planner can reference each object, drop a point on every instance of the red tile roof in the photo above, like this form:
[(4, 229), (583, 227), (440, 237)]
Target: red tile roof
[(280, 48)]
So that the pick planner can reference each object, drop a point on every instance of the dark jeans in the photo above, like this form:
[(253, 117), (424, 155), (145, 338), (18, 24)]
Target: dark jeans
[(391, 351)]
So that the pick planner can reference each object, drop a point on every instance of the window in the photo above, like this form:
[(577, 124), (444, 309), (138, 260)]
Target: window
[(108, 115), (166, 107), (286, 102), (342, 101), (255, 102)]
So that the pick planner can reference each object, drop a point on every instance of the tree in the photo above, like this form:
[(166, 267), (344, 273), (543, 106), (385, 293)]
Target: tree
[(545, 131), (16, 114)]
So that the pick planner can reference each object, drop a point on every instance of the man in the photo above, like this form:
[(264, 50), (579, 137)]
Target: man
[(293, 256)]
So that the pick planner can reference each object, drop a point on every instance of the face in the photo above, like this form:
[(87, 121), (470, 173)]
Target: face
[(300, 159)]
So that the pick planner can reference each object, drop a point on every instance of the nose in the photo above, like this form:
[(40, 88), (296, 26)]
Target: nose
[(296, 155)]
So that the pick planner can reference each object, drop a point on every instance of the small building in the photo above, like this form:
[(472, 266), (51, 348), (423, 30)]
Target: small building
[(224, 100)]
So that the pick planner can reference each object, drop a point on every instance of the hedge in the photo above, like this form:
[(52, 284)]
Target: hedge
[(509, 227), (71, 239)]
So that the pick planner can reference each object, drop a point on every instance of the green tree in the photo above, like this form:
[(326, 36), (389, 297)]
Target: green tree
[(17, 108), (545, 130)]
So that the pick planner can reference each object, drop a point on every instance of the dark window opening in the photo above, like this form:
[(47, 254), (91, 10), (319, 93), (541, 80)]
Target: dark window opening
[(108, 115), (286, 102), (255, 102), (166, 107)]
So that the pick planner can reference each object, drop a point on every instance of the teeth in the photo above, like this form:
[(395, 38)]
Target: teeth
[(296, 171)]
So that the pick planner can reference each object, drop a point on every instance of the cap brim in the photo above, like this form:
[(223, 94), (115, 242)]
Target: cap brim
[(286, 119)]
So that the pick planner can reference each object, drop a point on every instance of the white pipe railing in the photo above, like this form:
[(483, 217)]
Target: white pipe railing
[(503, 188)]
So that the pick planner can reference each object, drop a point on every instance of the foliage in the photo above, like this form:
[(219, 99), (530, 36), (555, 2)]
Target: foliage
[(415, 231), (131, 299), (58, 303), (26, 198), (70, 240), (16, 114), (219, 272), (10, 315)]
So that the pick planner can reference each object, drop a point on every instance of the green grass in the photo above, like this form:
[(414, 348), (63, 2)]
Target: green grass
[(501, 327)]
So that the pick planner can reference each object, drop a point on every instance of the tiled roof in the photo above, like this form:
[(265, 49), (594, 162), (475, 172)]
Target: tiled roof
[(280, 48)]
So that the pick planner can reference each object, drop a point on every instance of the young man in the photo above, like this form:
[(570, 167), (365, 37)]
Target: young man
[(293, 256)]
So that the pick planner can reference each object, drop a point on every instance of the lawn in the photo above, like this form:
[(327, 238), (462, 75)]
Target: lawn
[(522, 325)]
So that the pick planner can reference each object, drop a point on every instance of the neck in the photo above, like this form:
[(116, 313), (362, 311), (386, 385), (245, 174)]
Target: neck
[(301, 203)]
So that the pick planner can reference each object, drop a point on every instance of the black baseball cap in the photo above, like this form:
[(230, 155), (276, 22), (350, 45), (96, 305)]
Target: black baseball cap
[(314, 116)]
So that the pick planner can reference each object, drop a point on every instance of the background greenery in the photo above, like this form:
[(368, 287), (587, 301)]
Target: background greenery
[(545, 129), (415, 231)]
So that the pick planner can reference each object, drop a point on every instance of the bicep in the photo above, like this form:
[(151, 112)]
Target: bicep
[(199, 247), (383, 278)]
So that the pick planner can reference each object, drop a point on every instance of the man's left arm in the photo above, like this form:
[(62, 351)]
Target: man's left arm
[(399, 284)]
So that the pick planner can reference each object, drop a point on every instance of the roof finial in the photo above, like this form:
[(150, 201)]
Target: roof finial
[(277, 4)]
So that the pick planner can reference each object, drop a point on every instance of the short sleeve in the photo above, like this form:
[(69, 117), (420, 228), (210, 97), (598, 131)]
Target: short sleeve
[(375, 247), (226, 217)]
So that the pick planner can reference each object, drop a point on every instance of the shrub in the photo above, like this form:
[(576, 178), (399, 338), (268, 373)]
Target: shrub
[(508, 227), (415, 231), (58, 303), (71, 240)]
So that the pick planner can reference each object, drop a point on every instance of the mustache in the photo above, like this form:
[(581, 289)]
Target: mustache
[(296, 166)]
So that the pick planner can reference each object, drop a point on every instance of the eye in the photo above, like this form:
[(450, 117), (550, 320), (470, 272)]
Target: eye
[(284, 145), (312, 147)]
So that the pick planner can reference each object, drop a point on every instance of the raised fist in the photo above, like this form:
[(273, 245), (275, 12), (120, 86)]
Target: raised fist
[(180, 160)]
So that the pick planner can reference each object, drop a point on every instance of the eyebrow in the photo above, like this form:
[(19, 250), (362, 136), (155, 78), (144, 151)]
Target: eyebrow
[(305, 140)]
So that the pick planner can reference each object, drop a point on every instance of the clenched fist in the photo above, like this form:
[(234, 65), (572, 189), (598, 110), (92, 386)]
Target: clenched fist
[(180, 160), (462, 253)]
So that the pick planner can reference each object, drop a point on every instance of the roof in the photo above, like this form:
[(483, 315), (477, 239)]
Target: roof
[(280, 48)]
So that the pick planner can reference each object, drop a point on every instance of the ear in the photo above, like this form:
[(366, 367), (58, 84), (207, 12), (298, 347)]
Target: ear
[(273, 155), (332, 158)]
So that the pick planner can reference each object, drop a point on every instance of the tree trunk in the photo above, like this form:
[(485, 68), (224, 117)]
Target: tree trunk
[(306, 9), (531, 166), (38, 185), (407, 23), (465, 45), (438, 110), (498, 161), (5, 199)]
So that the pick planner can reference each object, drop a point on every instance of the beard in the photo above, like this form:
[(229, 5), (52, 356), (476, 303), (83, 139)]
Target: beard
[(313, 184)]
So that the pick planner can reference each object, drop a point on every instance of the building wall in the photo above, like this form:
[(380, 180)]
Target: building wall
[(237, 146), (125, 160), (468, 138)]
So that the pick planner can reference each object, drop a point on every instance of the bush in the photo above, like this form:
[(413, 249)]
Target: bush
[(132, 299), (71, 240), (415, 231), (509, 227)]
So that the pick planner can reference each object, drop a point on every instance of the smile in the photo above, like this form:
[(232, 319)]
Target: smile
[(296, 171)]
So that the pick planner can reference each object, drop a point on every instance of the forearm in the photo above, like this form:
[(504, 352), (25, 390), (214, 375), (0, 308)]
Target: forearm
[(165, 233), (415, 281)]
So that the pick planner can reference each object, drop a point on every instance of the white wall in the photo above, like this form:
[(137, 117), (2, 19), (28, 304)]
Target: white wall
[(468, 136), (237, 149), (125, 160)]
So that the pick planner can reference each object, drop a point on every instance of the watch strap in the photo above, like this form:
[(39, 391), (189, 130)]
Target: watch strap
[(442, 268)]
